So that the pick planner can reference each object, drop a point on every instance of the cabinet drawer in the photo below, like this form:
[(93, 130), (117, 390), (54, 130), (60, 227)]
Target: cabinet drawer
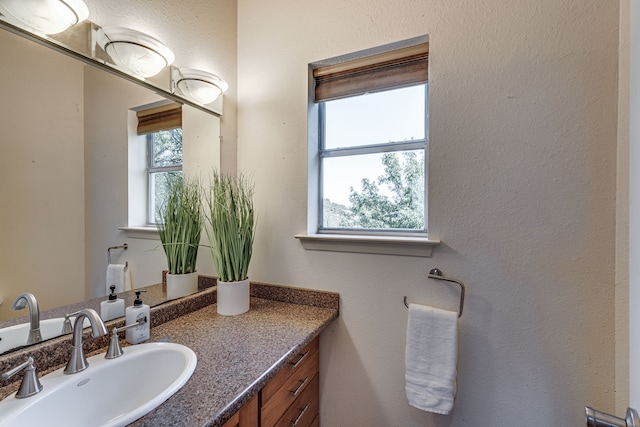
[(294, 365), (296, 383), (304, 409)]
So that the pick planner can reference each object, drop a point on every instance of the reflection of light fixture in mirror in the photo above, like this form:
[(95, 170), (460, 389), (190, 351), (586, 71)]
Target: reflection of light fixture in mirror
[(140, 54), (200, 86), (44, 16)]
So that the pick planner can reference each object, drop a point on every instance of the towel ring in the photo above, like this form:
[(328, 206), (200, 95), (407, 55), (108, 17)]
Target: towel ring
[(436, 274), (124, 247)]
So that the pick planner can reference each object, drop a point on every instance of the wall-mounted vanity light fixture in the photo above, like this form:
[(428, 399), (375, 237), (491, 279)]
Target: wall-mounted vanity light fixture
[(138, 53), (199, 86), (44, 16)]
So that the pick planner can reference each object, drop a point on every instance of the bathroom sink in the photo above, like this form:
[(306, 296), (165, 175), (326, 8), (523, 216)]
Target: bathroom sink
[(16, 336), (112, 392)]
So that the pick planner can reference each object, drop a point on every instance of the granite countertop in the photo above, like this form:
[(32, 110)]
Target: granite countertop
[(237, 356)]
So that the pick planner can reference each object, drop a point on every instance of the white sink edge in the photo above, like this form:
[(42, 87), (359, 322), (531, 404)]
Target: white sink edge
[(12, 407)]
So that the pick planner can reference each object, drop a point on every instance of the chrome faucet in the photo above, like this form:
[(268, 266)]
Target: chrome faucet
[(77, 360), (34, 315), (30, 384)]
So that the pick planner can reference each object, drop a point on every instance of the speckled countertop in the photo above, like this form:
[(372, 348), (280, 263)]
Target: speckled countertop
[(237, 356)]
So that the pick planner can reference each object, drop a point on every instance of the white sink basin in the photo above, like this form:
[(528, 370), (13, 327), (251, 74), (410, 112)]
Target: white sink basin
[(16, 336), (109, 393)]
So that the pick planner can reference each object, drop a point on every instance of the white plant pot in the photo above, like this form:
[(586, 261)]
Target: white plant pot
[(233, 297), (181, 285)]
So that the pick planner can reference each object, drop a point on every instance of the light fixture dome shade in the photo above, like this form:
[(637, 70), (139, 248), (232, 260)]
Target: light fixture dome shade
[(44, 16), (200, 86), (139, 53)]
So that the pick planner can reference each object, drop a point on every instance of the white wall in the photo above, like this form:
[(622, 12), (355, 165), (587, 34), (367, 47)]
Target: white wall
[(41, 178), (523, 100)]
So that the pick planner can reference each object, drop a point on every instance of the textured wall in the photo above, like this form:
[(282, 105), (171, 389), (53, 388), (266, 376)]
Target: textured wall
[(522, 172), (41, 179)]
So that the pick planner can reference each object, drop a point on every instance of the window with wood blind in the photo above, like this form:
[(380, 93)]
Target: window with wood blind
[(162, 126), (372, 137)]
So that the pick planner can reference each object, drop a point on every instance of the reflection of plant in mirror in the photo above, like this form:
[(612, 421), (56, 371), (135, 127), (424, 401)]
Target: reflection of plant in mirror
[(180, 224), (230, 225)]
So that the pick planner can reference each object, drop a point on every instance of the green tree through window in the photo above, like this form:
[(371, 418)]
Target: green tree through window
[(394, 200)]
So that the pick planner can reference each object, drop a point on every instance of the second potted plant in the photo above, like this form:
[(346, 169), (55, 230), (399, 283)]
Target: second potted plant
[(230, 227), (180, 224)]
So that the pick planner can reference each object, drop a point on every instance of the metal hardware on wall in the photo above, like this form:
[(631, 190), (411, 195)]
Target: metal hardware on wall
[(436, 274), (600, 419)]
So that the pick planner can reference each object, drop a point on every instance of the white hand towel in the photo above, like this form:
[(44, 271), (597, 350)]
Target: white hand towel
[(127, 278), (431, 358), (116, 276)]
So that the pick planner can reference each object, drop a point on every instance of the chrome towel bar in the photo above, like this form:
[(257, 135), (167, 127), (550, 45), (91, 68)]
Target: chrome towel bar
[(436, 274), (124, 247)]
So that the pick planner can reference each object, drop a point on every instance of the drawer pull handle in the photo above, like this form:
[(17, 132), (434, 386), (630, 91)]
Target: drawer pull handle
[(295, 422), (302, 383), (295, 364)]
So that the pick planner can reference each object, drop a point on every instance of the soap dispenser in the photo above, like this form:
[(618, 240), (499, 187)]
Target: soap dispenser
[(135, 314), (113, 307)]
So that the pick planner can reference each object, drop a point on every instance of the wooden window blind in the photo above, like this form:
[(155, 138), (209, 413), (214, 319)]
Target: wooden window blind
[(164, 117), (398, 68)]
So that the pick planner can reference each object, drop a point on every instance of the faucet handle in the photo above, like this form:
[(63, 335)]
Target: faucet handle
[(30, 383), (115, 350), (66, 325)]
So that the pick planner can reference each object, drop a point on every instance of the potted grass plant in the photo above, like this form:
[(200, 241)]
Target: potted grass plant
[(230, 227), (180, 221)]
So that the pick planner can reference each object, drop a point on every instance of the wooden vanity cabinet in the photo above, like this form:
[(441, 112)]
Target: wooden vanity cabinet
[(290, 399), (292, 395), (247, 416)]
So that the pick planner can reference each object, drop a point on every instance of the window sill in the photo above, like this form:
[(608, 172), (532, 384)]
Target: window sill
[(149, 233), (387, 245)]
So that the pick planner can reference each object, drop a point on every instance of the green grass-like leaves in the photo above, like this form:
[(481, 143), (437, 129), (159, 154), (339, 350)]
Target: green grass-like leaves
[(180, 225), (230, 225)]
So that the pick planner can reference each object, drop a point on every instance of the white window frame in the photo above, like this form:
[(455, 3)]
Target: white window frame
[(346, 240), (155, 169), (387, 147)]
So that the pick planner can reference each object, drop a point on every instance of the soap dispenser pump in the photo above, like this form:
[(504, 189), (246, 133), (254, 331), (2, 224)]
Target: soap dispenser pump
[(138, 313), (113, 307)]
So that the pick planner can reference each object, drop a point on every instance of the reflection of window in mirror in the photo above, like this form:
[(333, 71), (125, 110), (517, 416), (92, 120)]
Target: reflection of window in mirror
[(164, 154), (155, 153)]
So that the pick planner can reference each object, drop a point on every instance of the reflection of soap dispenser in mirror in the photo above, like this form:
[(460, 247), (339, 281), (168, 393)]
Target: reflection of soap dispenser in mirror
[(113, 307), (135, 313)]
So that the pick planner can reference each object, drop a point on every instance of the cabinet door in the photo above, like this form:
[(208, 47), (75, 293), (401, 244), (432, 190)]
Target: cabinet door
[(247, 416)]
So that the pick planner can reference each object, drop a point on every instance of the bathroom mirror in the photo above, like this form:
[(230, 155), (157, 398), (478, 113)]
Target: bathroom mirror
[(66, 131), (83, 42)]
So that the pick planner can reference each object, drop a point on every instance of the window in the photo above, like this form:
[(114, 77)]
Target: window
[(372, 143), (164, 153), (162, 126)]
